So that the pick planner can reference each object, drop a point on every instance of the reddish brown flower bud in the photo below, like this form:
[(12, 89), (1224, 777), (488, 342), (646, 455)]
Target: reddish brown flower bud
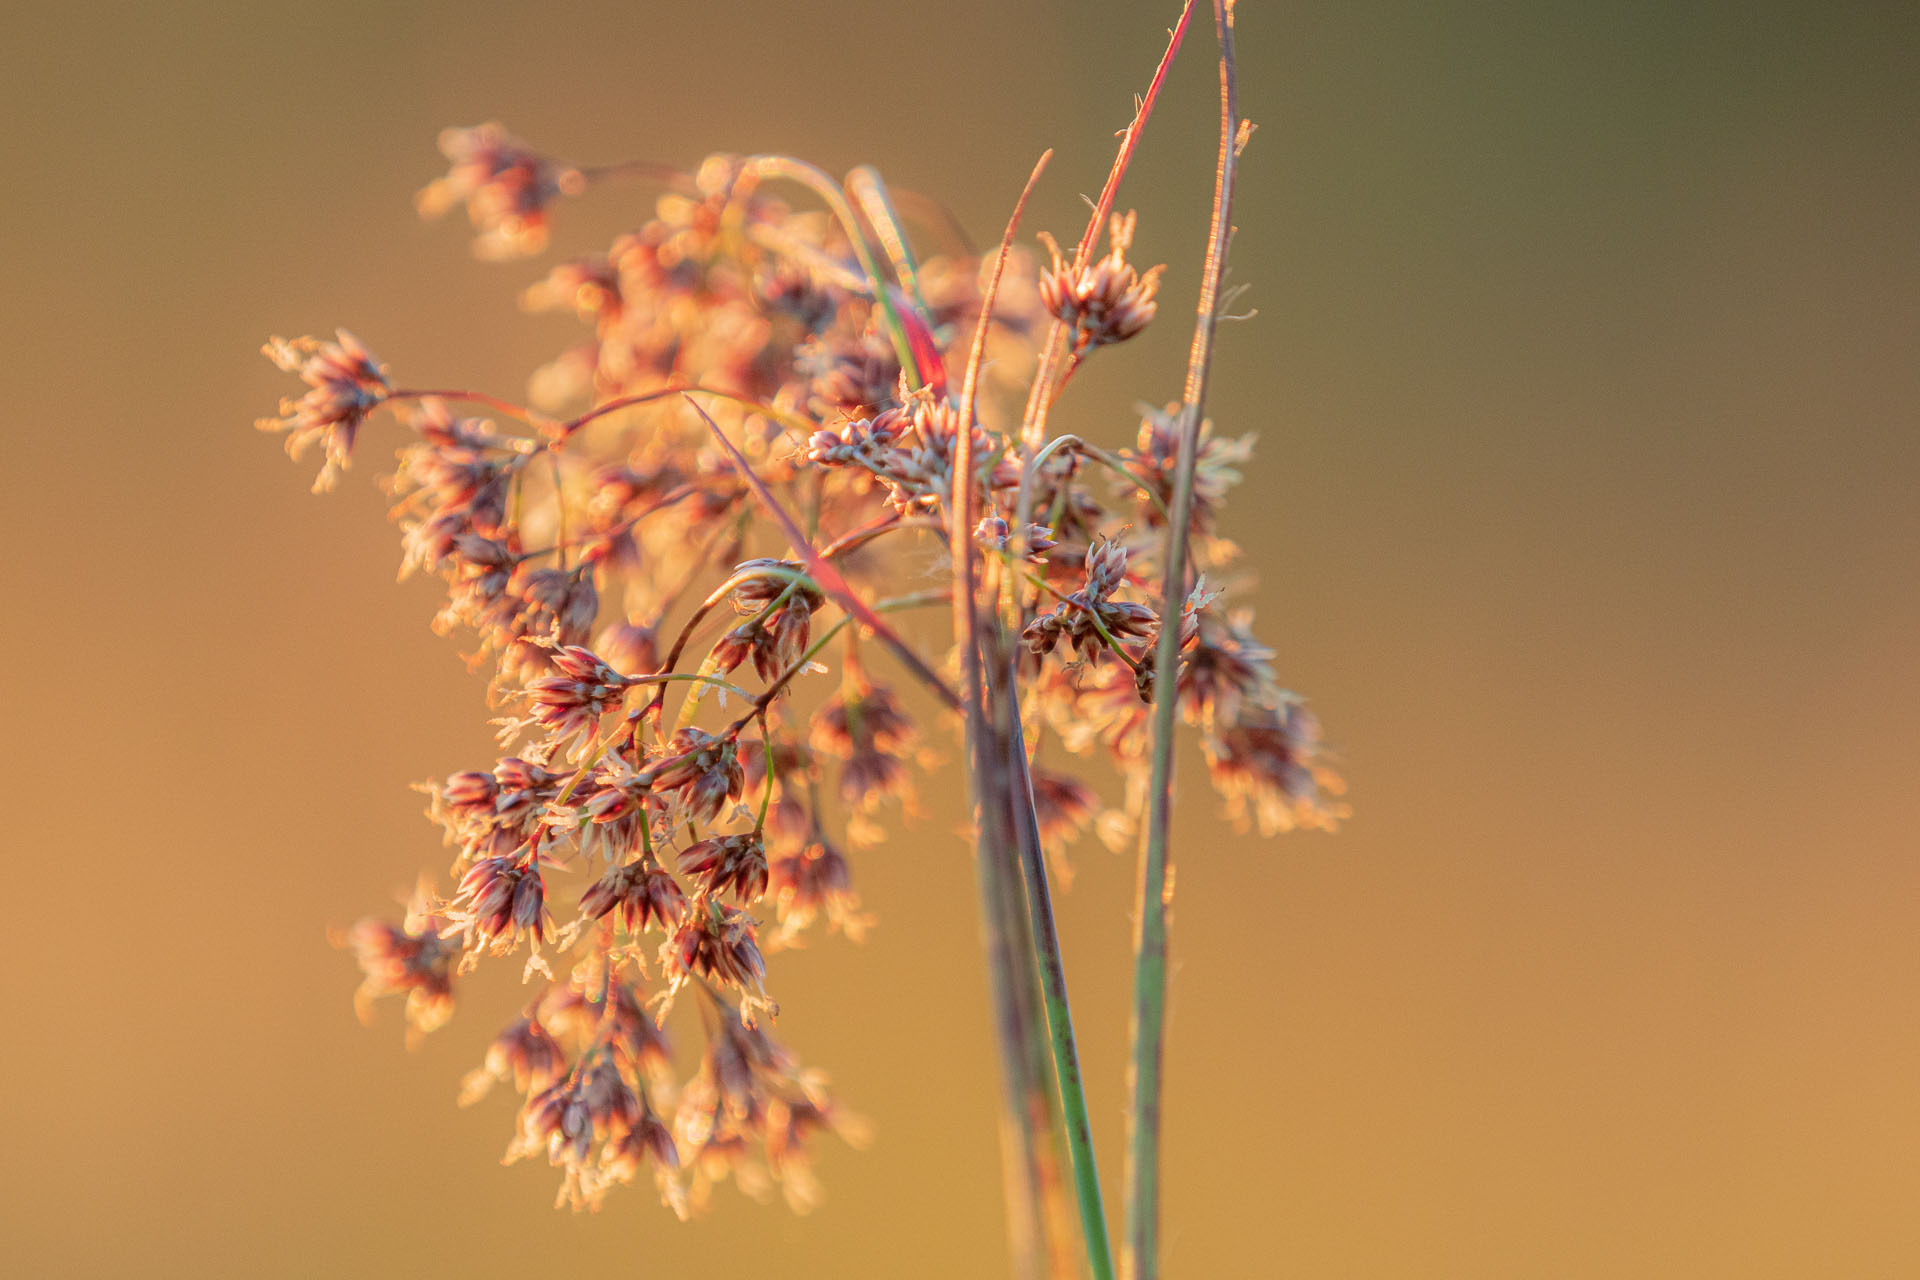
[(578, 608), (704, 769), (830, 449), (811, 881), (523, 785), (523, 1053), (1083, 615), (1106, 568), (407, 959), (1064, 805), (1106, 301), (781, 639), (506, 186), (734, 864), (471, 795), (865, 726), (500, 900), (992, 532), (642, 894), (1267, 766), (766, 580), (347, 383), (570, 705), (589, 287), (714, 941), (647, 1142), (731, 649)]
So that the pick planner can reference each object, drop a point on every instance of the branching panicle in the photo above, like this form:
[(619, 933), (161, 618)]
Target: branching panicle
[(725, 489)]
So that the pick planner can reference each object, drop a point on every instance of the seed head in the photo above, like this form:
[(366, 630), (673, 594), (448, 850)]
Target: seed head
[(406, 959), (728, 864), (647, 1143), (703, 770), (718, 942), (812, 881), (1106, 301), (865, 726), (1084, 615), (570, 705), (506, 186), (1267, 766), (992, 533), (501, 900), (638, 894), (346, 383), (524, 1053)]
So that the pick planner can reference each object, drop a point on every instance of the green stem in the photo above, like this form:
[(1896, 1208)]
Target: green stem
[(766, 795), (1053, 980), (715, 681), (794, 579), (1032, 1098), (828, 190), (876, 202), (1028, 1111), (1154, 886)]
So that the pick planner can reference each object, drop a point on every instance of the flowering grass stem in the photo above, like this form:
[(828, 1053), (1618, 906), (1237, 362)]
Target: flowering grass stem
[(1032, 1085), (1153, 888), (1046, 379), (1053, 987), (612, 848)]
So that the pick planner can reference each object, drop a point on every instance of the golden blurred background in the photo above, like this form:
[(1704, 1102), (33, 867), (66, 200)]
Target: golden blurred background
[(1585, 514)]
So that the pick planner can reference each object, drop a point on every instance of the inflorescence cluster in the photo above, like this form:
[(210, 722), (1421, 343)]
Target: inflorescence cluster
[(622, 556)]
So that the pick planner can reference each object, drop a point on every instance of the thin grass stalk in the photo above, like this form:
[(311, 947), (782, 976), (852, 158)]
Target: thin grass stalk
[(997, 752), (1040, 395), (876, 203), (1059, 1218), (1033, 420), (1040, 1224), (1051, 967), (1030, 1121), (836, 200), (1020, 1156), (1153, 889)]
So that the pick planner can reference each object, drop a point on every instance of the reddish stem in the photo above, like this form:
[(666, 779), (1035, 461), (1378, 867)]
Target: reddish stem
[(1084, 253)]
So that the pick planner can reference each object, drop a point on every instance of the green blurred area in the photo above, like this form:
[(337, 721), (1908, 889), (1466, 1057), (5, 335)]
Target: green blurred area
[(1584, 513)]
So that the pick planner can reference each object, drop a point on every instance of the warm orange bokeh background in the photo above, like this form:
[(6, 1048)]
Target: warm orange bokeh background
[(1585, 513)]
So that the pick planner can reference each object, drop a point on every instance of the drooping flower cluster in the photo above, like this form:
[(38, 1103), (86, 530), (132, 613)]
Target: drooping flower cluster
[(663, 814)]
